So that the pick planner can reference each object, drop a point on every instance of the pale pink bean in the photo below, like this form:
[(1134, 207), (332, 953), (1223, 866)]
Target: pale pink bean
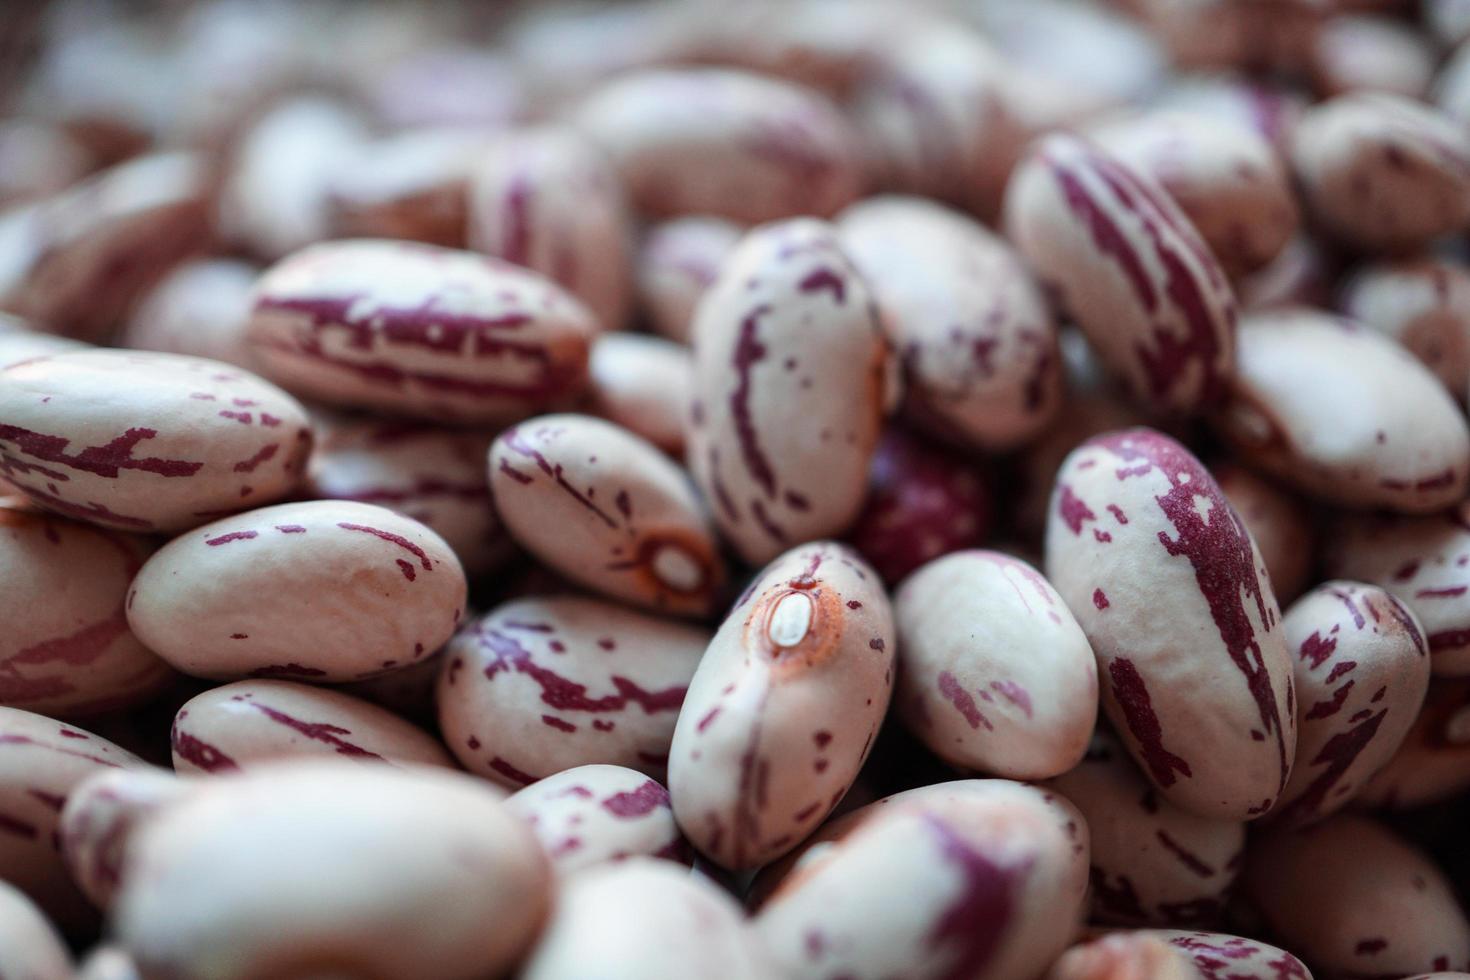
[(329, 590), (99, 819), (19, 341), (608, 510), (644, 384), (974, 336), (1369, 53), (645, 920), (1278, 522), (993, 875), (240, 725), (1131, 269), (591, 815), (1123, 956), (1354, 899), (784, 706), (1433, 763), (1248, 959), (30, 948), (549, 200), (433, 475), (1202, 696), (263, 875), (413, 186), (995, 675), (1382, 172), (140, 441), (677, 262), (1343, 414), (723, 142), (1422, 303), (1152, 863), (41, 762), (790, 367), (539, 685), (66, 649), (414, 329), (200, 309)]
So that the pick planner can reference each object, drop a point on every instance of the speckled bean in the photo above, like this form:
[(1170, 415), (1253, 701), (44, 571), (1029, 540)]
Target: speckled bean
[(412, 186), (790, 370), (543, 684), (1355, 900), (1382, 172), (19, 341), (722, 142), (975, 338), (140, 441), (1344, 414), (414, 329), (549, 200), (1424, 304), (99, 818), (644, 384), (1202, 696), (1433, 762), (677, 262), (591, 815), (607, 509), (1123, 956), (784, 706), (1279, 524), (995, 675), (326, 591), (1219, 956), (1131, 269), (30, 949), (199, 309), (262, 874), (66, 649)]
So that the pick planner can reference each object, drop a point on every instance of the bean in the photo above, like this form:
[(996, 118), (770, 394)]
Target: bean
[(1431, 762), (1268, 108), (1422, 303), (99, 818), (1279, 524), (19, 341), (1122, 956), (200, 308), (37, 159), (30, 949), (346, 322), (677, 262), (325, 591), (539, 685), (783, 707), (446, 85), (1368, 53), (412, 186), (1249, 959), (142, 441), (408, 691), (108, 963), (1203, 698), (607, 509), (644, 384), (1300, 275)]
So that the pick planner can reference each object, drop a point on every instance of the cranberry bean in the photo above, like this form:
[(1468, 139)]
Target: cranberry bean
[(537, 686), (784, 706), (1131, 269), (1382, 172), (1433, 762), (20, 342), (994, 673), (645, 920), (419, 330), (547, 199), (722, 142), (1422, 303), (790, 370), (993, 874), (973, 334), (412, 186), (677, 262), (591, 815), (66, 649), (1122, 956), (1376, 54), (435, 476), (199, 309), (142, 441), (644, 384), (1355, 900), (30, 948), (1227, 180), (325, 591), (41, 761), (264, 874), (1202, 696), (1248, 959), (607, 509), (99, 818), (1279, 524)]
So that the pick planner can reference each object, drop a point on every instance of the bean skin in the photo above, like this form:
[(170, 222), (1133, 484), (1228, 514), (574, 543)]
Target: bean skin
[(1278, 522), (1122, 956), (200, 309), (1424, 304), (678, 261), (644, 384), (413, 186), (783, 707), (30, 948), (98, 821), (1248, 959), (1433, 762)]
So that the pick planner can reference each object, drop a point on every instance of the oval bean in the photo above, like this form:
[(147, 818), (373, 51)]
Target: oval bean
[(199, 309), (1422, 303), (1279, 524), (1433, 761), (644, 384), (412, 186), (30, 948), (677, 262), (99, 818)]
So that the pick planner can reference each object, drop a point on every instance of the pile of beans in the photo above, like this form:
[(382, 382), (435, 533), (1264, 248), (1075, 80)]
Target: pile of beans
[(778, 490)]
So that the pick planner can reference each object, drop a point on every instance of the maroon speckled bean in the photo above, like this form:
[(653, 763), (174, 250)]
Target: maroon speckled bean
[(1382, 172), (263, 875), (1218, 956), (1123, 956), (543, 684), (994, 673), (1344, 414), (644, 384), (19, 341), (591, 815), (607, 509), (1361, 668), (419, 330), (974, 336), (1202, 696), (329, 590), (784, 706), (240, 725), (1130, 268), (199, 309), (1152, 863), (1355, 900), (1424, 304), (140, 441), (30, 948), (1278, 522), (677, 261), (1433, 762), (66, 649), (549, 200), (791, 378), (99, 818), (723, 142), (411, 186)]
